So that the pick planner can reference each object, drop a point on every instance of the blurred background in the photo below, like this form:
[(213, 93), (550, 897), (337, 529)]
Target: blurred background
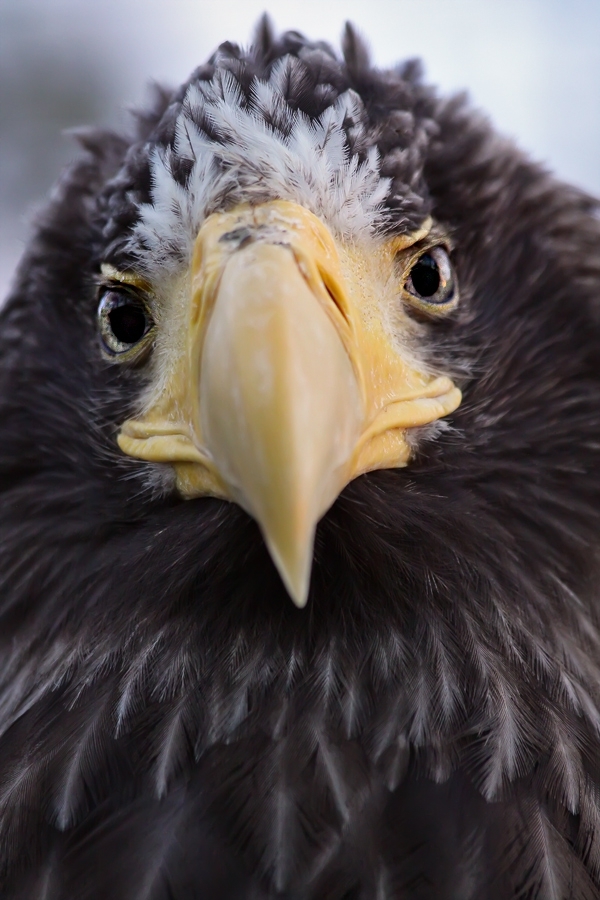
[(533, 65)]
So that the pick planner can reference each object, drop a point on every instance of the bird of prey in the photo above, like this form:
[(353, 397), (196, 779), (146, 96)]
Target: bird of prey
[(300, 503)]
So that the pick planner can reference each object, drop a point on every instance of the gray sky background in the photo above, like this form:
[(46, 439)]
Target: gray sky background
[(533, 65)]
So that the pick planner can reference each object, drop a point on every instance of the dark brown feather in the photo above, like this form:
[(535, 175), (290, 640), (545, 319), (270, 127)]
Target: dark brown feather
[(170, 726)]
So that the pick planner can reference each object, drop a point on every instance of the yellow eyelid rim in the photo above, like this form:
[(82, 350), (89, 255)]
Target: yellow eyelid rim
[(401, 242), (131, 279)]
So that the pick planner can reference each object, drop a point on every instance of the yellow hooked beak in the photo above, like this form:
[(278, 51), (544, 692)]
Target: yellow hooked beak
[(277, 384)]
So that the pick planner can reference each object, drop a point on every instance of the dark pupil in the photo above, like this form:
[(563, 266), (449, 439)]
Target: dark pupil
[(128, 323), (425, 276)]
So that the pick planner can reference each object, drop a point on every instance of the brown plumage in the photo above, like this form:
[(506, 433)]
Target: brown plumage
[(428, 727)]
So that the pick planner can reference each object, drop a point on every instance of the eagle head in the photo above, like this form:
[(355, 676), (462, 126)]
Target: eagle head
[(309, 331)]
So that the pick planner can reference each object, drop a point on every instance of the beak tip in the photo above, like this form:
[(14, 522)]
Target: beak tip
[(297, 583), (299, 598), (294, 567)]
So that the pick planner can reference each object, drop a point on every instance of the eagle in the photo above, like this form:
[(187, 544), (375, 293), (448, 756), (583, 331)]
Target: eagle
[(300, 502)]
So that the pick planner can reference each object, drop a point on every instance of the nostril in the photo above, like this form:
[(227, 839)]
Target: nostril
[(336, 294)]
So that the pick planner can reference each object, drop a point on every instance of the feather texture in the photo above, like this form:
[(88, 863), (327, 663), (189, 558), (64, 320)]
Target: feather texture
[(429, 727), (260, 148)]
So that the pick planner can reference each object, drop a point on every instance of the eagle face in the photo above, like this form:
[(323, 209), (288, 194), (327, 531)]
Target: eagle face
[(311, 333), (285, 364)]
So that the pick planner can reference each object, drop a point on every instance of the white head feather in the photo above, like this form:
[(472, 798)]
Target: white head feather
[(266, 150)]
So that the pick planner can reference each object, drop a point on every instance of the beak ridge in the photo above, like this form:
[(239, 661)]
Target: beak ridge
[(280, 405)]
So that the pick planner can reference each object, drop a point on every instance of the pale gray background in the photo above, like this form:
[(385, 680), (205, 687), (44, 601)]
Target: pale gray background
[(534, 65)]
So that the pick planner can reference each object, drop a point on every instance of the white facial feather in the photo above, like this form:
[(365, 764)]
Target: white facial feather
[(266, 150)]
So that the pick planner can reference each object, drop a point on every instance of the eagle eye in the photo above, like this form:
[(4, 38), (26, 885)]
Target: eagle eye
[(123, 321), (431, 280)]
